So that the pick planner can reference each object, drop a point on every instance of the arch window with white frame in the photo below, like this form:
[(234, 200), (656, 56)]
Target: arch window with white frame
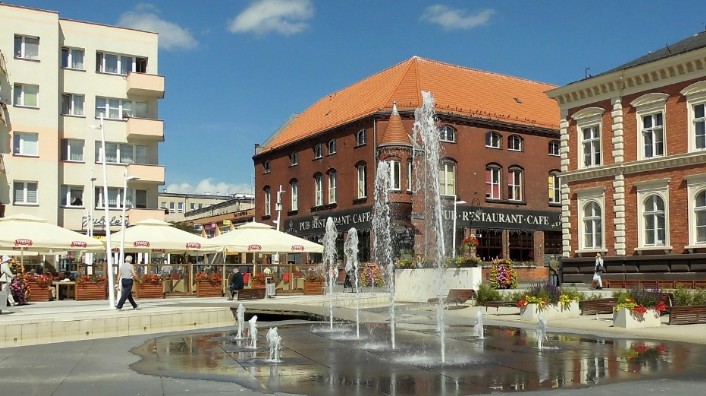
[(554, 146), (592, 225), (332, 147), (268, 201), (362, 183), (654, 220), (318, 190), (493, 139), (700, 216), (514, 184), (492, 181), (554, 188), (294, 188), (514, 143), (332, 187), (395, 175), (447, 133), (651, 137), (293, 158), (652, 213), (447, 178), (318, 151), (696, 103), (360, 138)]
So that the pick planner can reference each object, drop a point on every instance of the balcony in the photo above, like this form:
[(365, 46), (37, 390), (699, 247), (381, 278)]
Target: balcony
[(145, 85), (137, 215), (147, 173), (145, 128)]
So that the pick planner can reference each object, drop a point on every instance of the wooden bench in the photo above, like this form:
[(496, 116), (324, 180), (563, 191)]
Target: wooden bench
[(597, 306), (499, 303), (458, 296), (251, 294), (687, 315)]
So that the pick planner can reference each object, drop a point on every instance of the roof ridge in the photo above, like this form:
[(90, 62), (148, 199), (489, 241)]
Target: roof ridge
[(490, 73)]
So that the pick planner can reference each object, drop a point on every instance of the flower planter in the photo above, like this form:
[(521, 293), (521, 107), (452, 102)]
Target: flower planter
[(257, 284), (314, 287), (207, 289), (150, 290), (38, 293), (91, 291), (532, 313), (627, 319)]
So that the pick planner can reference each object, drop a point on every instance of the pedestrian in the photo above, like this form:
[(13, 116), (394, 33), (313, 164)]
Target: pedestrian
[(127, 276), (598, 271), (6, 277), (236, 283)]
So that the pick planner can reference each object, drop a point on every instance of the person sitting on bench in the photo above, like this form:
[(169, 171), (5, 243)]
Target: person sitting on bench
[(236, 283)]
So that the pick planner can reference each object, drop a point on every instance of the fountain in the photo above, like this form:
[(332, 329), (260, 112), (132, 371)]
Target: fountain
[(382, 243), (275, 342), (240, 316), (478, 328), (253, 332), (541, 332), (351, 249), (330, 263)]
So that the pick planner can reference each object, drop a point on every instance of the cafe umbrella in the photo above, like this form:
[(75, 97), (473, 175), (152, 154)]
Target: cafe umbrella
[(156, 236), (23, 232)]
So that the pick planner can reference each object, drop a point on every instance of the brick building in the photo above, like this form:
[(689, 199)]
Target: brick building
[(500, 147), (633, 169)]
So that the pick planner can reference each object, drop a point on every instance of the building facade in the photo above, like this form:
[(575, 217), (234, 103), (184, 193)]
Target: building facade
[(177, 205), (499, 162), (633, 168), (58, 77)]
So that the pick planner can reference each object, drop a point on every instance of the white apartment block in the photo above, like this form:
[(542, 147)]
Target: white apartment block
[(57, 77)]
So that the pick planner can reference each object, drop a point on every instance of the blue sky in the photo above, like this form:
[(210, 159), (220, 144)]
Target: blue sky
[(236, 70)]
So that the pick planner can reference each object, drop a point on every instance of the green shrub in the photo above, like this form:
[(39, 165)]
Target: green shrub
[(572, 293), (683, 296), (486, 293), (514, 296), (699, 297)]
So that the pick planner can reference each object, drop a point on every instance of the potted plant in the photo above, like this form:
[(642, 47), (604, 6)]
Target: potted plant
[(502, 274), (91, 287), (209, 285), (372, 276), (257, 280), (638, 307), (550, 302), (314, 283), (150, 286), (38, 287)]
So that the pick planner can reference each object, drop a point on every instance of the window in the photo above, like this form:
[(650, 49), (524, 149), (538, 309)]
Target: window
[(699, 126), (521, 245), (492, 181), (410, 175), (72, 104), (554, 188), (490, 245), (654, 220), (119, 64), (696, 103), (447, 133), (27, 47), (514, 185), (171, 207), (317, 151), (554, 147), (180, 207), (72, 58), (395, 175), (72, 150), (26, 95), (72, 196), (332, 187), (115, 198), (514, 143), (591, 145), (592, 226), (700, 216), (360, 138), (268, 201), (192, 206), (120, 153), (294, 188), (266, 166), (141, 199), (118, 109), (25, 193), (164, 205), (447, 178), (26, 144), (588, 122), (332, 147), (492, 139), (293, 158), (362, 185), (652, 135), (318, 190)]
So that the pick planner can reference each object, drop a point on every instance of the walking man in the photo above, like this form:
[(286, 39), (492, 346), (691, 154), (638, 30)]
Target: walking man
[(597, 275), (6, 277), (127, 276)]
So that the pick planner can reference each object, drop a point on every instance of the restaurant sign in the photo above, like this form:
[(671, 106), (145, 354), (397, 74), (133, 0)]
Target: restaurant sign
[(360, 219), (480, 217)]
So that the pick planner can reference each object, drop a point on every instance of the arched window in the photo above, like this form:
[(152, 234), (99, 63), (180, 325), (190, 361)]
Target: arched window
[(514, 143), (515, 184), (592, 229), (268, 201), (332, 186), (653, 215), (266, 166), (447, 133), (332, 147), (700, 216), (554, 188), (492, 181), (360, 138), (493, 139), (293, 158), (447, 177), (294, 188), (318, 190)]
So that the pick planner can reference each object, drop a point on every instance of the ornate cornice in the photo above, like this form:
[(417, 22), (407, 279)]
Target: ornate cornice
[(674, 161)]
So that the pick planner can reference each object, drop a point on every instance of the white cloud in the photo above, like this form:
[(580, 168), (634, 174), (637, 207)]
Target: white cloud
[(171, 35), (208, 186), (286, 17), (450, 19)]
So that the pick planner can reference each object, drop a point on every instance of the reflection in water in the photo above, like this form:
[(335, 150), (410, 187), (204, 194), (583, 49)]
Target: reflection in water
[(506, 360)]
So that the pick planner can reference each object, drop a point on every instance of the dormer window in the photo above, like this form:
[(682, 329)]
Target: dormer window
[(332, 147), (360, 138), (447, 133), (318, 151)]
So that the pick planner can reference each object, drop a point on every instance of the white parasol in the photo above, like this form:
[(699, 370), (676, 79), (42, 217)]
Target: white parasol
[(156, 236), (29, 233)]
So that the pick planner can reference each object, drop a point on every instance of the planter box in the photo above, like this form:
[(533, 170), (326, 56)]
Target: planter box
[(626, 319), (149, 290), (531, 312), (314, 287), (91, 291), (206, 289), (38, 293), (421, 284)]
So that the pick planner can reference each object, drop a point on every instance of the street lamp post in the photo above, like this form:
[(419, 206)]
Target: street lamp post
[(106, 221), (126, 179), (91, 202), (453, 243)]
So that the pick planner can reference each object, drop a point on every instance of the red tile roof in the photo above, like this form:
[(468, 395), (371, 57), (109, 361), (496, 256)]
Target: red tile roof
[(395, 133), (456, 89)]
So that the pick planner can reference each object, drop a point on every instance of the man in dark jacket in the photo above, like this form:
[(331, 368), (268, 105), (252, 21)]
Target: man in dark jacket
[(236, 283)]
